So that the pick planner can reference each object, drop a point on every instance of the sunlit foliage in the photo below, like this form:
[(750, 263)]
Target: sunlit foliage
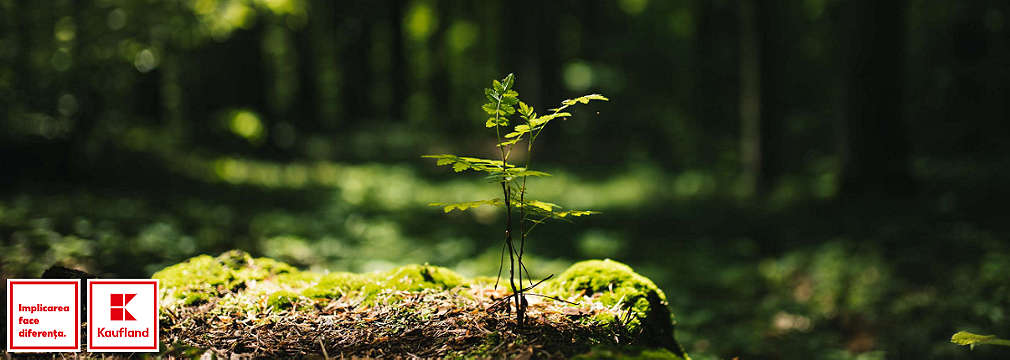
[(514, 123)]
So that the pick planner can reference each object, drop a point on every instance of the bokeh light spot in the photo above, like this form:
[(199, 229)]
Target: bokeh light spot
[(145, 61), (116, 19), (420, 21), (246, 124), (578, 76), (633, 7)]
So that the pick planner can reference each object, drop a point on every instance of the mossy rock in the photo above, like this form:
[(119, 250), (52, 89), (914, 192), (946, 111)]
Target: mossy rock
[(235, 282), (612, 283), (201, 278)]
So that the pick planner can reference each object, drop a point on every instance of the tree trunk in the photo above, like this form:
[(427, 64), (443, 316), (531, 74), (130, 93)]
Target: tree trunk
[(762, 53), (398, 67), (750, 97), (873, 147), (549, 62), (357, 26), (305, 113)]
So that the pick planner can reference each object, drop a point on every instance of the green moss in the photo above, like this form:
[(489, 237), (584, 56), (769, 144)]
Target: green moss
[(298, 279), (194, 298), (201, 278), (630, 353), (244, 283), (281, 299), (405, 278), (335, 286), (613, 284), (419, 277)]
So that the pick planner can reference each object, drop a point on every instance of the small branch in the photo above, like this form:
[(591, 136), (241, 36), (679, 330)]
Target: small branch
[(552, 298), (538, 283), (504, 300), (325, 355), (501, 263)]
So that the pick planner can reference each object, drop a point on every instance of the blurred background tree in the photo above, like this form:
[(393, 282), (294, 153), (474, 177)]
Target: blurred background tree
[(805, 178)]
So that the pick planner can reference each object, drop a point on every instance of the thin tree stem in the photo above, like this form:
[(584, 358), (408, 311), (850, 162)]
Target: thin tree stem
[(517, 291)]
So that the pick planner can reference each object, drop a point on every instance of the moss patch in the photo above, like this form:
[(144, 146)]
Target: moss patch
[(406, 278), (643, 306), (335, 285), (234, 293), (610, 283), (281, 300), (202, 278)]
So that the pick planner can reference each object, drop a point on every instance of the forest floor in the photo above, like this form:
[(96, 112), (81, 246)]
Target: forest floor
[(459, 322), (234, 305)]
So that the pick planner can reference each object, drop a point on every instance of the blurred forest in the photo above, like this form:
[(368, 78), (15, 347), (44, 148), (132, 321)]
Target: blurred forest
[(804, 178)]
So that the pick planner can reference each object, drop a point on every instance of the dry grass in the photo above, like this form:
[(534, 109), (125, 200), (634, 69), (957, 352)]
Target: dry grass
[(461, 322)]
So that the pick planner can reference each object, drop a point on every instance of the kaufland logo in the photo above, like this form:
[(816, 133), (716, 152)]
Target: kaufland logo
[(123, 315), (117, 310)]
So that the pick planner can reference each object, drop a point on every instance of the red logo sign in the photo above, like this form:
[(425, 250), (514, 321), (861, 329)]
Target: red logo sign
[(117, 307), (43, 315), (123, 315)]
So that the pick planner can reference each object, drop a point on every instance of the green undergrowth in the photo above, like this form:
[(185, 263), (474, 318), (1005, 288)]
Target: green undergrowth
[(237, 282), (628, 353)]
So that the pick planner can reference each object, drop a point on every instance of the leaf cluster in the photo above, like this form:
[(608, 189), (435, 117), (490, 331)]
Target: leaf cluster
[(516, 123)]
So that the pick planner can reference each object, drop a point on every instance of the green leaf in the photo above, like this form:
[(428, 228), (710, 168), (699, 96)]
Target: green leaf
[(524, 109), (518, 172), (466, 205), (509, 80), (509, 110), (530, 173), (582, 99), (508, 142), (585, 99), (489, 94), (545, 206), (970, 339), (461, 163), (492, 122), (511, 94), (497, 86), (491, 109), (547, 118), (574, 213), (443, 159)]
